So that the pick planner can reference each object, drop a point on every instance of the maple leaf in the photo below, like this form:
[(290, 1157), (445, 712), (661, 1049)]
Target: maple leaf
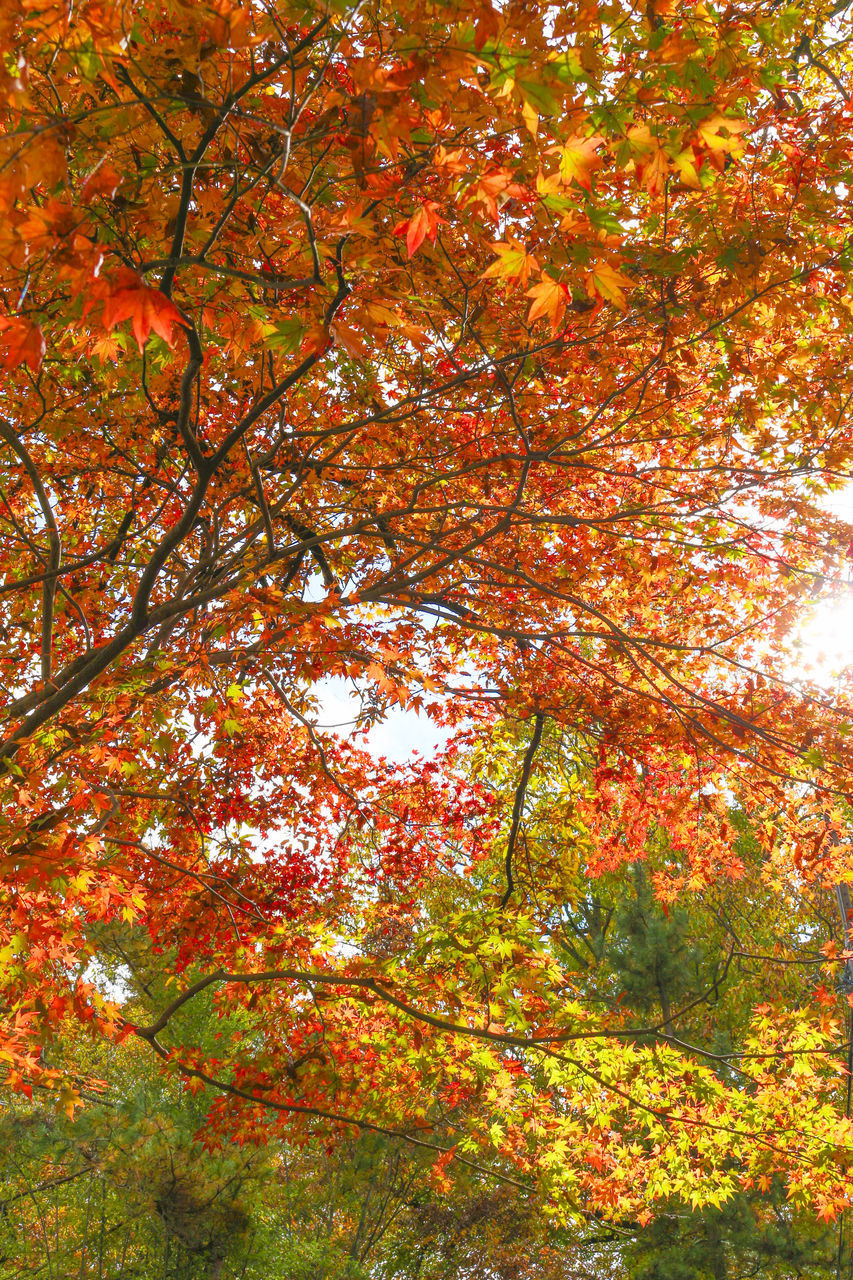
[(609, 284), (488, 24), (721, 134), (350, 339), (68, 1099), (550, 299), (423, 225), (579, 158), (514, 262), (651, 160), (531, 118), (686, 166), (108, 346), (315, 340), (149, 310), (493, 190), (21, 342), (104, 180)]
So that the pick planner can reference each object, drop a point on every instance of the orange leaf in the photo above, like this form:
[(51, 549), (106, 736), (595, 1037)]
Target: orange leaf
[(147, 309), (651, 162), (721, 134), (102, 181), (316, 340), (21, 342), (549, 299), (352, 342), (488, 24)]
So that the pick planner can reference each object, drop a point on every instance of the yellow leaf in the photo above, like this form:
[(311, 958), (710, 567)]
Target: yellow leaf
[(68, 1099), (531, 117), (547, 184), (578, 158), (382, 315), (721, 134), (641, 138), (514, 262), (685, 167), (609, 284)]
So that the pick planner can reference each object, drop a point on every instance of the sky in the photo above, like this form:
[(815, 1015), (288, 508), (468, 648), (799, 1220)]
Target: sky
[(399, 737)]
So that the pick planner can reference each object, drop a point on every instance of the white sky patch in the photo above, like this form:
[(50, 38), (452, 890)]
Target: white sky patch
[(824, 646), (400, 736)]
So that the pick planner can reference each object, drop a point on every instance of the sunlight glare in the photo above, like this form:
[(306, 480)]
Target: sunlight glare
[(824, 648)]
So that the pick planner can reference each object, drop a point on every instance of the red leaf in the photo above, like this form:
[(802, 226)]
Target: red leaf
[(424, 224)]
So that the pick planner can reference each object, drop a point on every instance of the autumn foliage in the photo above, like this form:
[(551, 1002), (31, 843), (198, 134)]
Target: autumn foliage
[(494, 360)]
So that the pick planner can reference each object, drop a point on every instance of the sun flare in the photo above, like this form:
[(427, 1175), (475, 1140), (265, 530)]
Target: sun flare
[(823, 650)]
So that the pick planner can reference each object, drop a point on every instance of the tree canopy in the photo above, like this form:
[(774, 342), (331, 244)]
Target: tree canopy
[(492, 361)]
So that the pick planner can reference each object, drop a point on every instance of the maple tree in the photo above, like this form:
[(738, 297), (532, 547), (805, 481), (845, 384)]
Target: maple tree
[(121, 1185), (494, 360)]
